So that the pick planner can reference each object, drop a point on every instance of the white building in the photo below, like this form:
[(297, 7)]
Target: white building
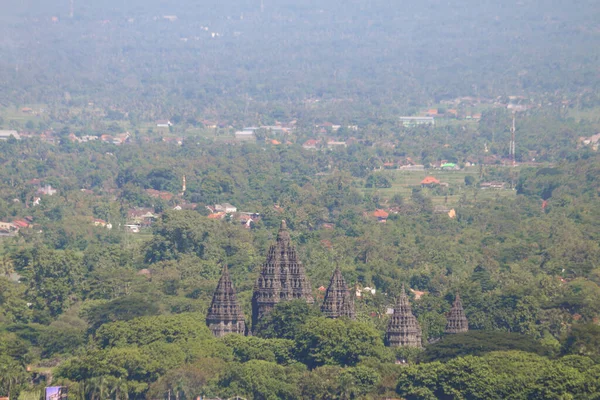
[(225, 207), (4, 135), (245, 135), (415, 121)]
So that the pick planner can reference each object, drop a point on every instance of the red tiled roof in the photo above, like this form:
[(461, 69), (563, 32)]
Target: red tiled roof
[(219, 215), (380, 214), (430, 180), (20, 223), (157, 193)]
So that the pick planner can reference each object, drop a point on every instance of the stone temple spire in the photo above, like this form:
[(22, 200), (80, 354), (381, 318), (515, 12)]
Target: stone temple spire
[(457, 321), (338, 302), (403, 328), (281, 278), (225, 314)]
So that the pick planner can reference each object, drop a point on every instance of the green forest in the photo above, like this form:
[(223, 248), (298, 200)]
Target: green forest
[(111, 313), (148, 146)]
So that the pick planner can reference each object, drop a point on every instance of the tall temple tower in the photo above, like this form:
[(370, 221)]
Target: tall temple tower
[(282, 277), (338, 302), (225, 314), (403, 328), (457, 321)]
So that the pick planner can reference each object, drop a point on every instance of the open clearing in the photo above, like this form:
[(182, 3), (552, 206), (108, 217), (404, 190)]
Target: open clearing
[(404, 181)]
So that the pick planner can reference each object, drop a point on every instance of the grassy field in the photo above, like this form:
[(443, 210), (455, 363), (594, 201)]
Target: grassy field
[(403, 182), (591, 114), (15, 114)]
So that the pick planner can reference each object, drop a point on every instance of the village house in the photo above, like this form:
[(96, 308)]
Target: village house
[(359, 291), (87, 138), (437, 164), (5, 135), (450, 167), (217, 215), (163, 123), (492, 185), (246, 220), (8, 229), (429, 181), (328, 126), (310, 144), (142, 217), (225, 207), (410, 122), (121, 138), (332, 144), (210, 124), (275, 129), (441, 209), (591, 141), (47, 190), (414, 167), (102, 223), (158, 194), (22, 223), (381, 215), (245, 135)]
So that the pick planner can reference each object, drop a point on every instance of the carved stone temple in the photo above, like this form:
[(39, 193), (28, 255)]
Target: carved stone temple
[(403, 328), (225, 314), (457, 321), (338, 301), (282, 277)]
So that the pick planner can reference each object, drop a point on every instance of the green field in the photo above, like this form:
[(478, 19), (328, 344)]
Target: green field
[(590, 114), (403, 182)]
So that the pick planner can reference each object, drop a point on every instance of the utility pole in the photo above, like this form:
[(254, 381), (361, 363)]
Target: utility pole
[(512, 141), (512, 152)]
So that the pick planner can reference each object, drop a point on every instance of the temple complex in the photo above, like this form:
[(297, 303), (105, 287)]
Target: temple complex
[(225, 314), (281, 278), (338, 302), (457, 321), (403, 328)]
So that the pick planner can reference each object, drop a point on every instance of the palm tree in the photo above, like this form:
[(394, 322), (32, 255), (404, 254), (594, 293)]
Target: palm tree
[(119, 389), (12, 375), (97, 388)]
